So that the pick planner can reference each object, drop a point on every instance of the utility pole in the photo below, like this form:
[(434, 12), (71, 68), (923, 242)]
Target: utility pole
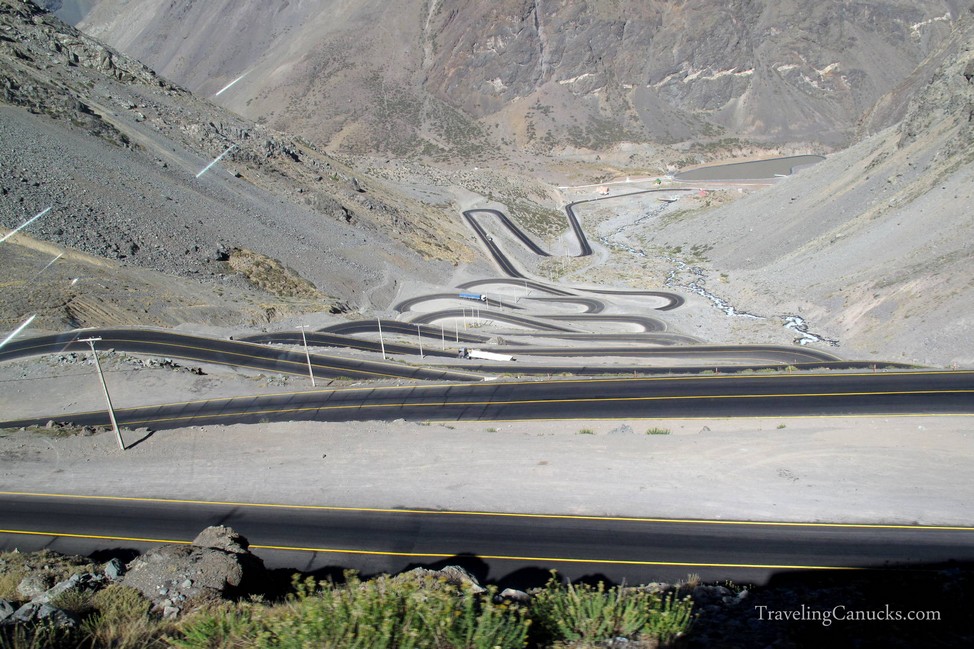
[(419, 334), (381, 342), (101, 377), (442, 338), (307, 354)]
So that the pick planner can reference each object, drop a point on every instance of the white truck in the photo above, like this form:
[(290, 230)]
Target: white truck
[(483, 355)]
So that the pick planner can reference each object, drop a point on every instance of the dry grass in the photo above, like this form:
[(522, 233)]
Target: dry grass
[(271, 275)]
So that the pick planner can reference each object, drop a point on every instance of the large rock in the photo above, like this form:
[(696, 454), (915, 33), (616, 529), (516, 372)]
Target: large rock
[(34, 585), (77, 583), (37, 612), (453, 575), (6, 610), (216, 565), (220, 537)]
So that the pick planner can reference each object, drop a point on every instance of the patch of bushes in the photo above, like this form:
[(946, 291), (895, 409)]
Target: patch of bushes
[(386, 612), (271, 275), (591, 614), (407, 611)]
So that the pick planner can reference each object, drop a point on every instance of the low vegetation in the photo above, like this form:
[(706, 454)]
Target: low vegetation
[(402, 612), (271, 275)]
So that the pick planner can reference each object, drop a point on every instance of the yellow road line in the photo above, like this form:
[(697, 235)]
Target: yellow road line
[(445, 555), (297, 364), (441, 404), (379, 510)]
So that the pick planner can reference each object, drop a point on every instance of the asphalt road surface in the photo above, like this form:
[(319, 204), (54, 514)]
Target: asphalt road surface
[(634, 549), (630, 398), (224, 352)]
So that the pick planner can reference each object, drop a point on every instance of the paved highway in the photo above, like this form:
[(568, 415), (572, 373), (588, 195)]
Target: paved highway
[(631, 398), (223, 352), (631, 549)]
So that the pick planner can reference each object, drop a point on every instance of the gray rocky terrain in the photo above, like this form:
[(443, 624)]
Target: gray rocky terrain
[(469, 76), (114, 151)]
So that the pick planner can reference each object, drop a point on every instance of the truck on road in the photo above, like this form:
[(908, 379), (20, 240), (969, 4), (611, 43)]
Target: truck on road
[(484, 355)]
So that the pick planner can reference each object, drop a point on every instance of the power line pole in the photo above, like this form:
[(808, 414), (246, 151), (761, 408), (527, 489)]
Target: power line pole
[(307, 354), (104, 386), (419, 334), (381, 342)]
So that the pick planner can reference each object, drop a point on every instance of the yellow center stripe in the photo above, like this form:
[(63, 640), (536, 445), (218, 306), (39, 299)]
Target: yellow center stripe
[(448, 403), (630, 519), (444, 555)]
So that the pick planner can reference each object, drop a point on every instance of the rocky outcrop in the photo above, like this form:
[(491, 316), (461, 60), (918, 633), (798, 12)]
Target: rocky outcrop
[(44, 596), (216, 565)]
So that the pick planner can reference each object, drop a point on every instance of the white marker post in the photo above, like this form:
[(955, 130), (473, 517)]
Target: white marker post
[(307, 354), (104, 386), (16, 331), (381, 343), (229, 85), (49, 264), (218, 158), (23, 225)]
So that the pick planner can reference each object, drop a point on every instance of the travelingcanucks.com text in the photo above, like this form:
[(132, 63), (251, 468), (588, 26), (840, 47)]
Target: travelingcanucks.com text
[(843, 614)]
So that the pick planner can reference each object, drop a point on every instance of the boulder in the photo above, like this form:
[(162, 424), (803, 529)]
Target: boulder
[(37, 612), (34, 585), (78, 583), (514, 595), (215, 566), (6, 610), (453, 575), (220, 537), (114, 569)]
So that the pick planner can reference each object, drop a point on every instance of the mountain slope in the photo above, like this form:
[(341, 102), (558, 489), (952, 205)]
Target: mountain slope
[(541, 74), (114, 151), (874, 246)]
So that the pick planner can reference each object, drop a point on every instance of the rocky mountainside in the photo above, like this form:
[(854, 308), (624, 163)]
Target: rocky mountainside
[(468, 76), (116, 152), (876, 244)]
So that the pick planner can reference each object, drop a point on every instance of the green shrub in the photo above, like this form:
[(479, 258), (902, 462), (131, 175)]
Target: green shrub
[(8, 585), (73, 601), (121, 604), (592, 614), (400, 613), (658, 431), (221, 627), (39, 637)]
